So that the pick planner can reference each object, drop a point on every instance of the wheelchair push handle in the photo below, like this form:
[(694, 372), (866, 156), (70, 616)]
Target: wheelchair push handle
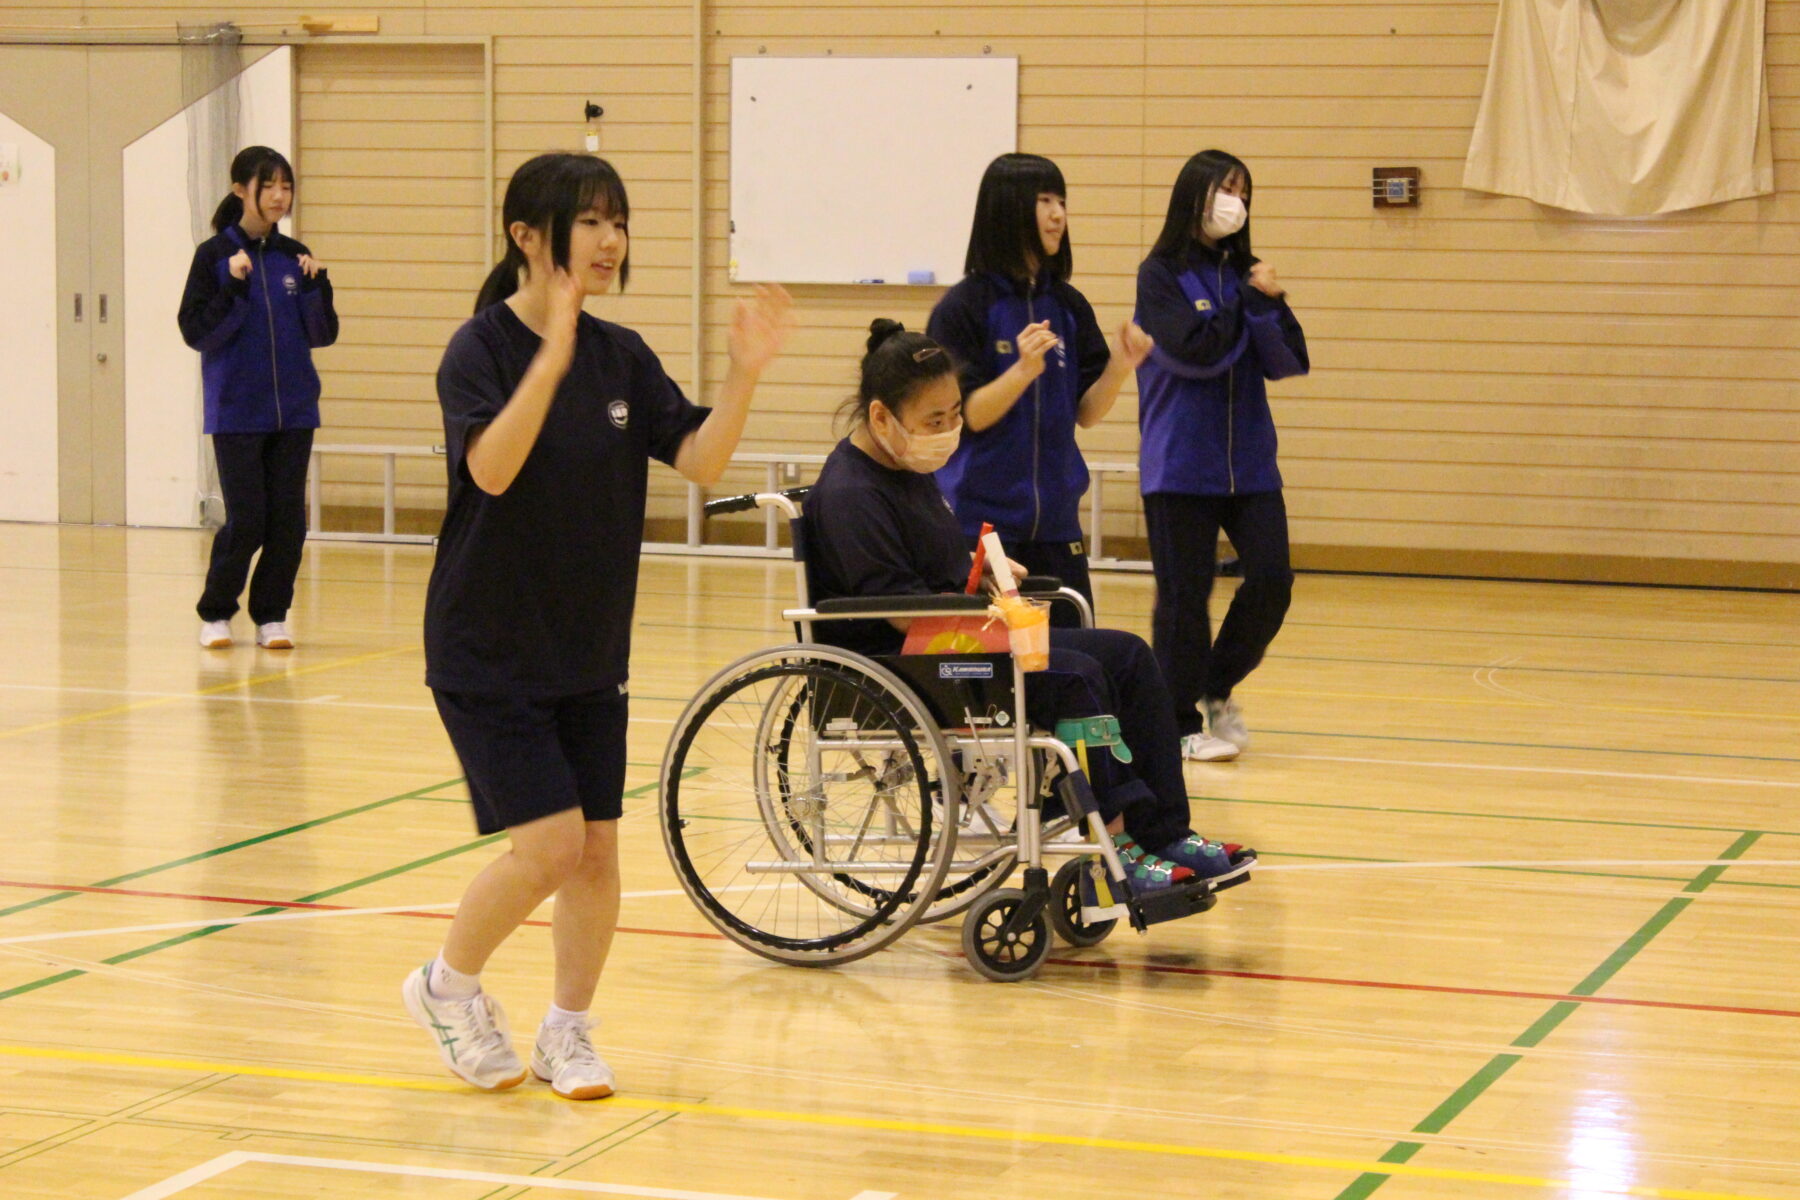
[(784, 500)]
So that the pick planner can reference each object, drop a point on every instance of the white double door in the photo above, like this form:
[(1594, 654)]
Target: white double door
[(99, 397)]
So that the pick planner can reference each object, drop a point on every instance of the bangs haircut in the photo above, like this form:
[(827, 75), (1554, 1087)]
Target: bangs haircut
[(1200, 177), (550, 193), (1004, 238)]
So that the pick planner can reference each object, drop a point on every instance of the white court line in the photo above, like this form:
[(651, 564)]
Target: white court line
[(311, 914), (1461, 766), (176, 1184)]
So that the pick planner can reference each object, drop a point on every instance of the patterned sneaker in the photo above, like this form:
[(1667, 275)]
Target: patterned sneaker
[(471, 1034), (1200, 747), (273, 635), (1147, 871), (215, 635), (1217, 862), (564, 1058), (1225, 721)]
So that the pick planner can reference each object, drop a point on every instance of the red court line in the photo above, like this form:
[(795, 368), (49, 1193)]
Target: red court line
[(1096, 964)]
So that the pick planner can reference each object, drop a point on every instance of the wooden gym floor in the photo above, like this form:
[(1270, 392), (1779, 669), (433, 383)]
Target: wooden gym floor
[(1528, 922)]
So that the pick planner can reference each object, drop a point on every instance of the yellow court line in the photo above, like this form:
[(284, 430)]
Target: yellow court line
[(839, 1121), (235, 685), (1308, 694)]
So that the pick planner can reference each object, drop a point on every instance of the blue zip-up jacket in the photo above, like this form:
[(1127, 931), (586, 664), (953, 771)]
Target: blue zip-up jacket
[(256, 336), (1023, 473), (1203, 412)]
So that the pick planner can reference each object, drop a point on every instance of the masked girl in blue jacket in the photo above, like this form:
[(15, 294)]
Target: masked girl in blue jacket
[(1033, 365), (1222, 326), (256, 305)]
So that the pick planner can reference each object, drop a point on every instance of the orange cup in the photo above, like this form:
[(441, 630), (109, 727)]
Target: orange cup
[(1027, 631)]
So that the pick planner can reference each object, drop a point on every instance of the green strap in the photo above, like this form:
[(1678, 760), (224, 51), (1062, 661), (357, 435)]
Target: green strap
[(1096, 732)]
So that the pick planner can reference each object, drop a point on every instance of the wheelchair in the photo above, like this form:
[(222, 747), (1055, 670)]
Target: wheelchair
[(817, 803)]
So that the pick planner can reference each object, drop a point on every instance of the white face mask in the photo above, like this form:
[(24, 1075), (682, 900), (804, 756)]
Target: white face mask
[(922, 452), (1226, 218)]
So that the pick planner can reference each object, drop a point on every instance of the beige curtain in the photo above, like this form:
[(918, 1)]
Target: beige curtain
[(1625, 107)]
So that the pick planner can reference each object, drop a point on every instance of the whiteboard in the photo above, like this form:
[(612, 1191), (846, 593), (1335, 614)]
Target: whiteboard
[(851, 170)]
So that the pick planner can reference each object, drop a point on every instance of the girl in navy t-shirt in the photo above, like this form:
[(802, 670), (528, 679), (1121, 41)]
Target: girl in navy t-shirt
[(1033, 365), (550, 419)]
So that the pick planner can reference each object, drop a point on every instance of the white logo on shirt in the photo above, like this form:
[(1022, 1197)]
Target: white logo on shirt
[(291, 284), (620, 412)]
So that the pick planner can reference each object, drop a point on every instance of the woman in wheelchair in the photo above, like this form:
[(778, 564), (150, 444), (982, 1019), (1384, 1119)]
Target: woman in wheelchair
[(879, 526)]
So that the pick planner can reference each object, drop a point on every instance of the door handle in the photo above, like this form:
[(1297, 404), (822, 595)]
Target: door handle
[(103, 308), (78, 307), (100, 357)]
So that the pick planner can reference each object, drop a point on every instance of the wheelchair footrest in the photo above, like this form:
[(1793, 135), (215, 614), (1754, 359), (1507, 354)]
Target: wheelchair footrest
[(1172, 903)]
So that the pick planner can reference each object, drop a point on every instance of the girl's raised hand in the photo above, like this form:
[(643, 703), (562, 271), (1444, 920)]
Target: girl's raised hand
[(760, 326), (239, 265), (1034, 342), (566, 295), (1132, 345), (309, 266), (1262, 278)]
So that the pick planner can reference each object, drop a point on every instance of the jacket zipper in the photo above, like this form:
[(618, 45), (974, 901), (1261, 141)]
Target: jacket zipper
[(269, 311), (1230, 405), (1037, 412)]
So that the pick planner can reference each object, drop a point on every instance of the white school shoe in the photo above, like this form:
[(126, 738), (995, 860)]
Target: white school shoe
[(1203, 747), (1225, 721), (273, 635), (472, 1035), (215, 635), (564, 1058)]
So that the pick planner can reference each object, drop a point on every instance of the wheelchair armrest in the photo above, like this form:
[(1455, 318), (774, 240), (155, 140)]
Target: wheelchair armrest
[(1040, 585), (844, 606)]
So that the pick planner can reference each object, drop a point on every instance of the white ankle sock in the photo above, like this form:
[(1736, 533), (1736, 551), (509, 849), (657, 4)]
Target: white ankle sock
[(448, 983), (562, 1016)]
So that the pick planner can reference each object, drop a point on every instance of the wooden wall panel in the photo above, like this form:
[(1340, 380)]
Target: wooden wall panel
[(1493, 382)]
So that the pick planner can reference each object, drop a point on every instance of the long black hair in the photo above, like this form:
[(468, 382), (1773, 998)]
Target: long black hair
[(549, 193), (1004, 239), (898, 363), (1200, 177), (256, 167)]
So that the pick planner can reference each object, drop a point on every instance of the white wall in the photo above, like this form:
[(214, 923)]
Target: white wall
[(165, 451), (28, 380)]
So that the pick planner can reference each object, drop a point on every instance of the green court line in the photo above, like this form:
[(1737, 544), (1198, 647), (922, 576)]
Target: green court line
[(1366, 1184), (115, 881), (1451, 812), (1507, 868), (209, 930)]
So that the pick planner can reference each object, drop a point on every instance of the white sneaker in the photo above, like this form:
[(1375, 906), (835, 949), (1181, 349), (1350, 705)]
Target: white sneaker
[(471, 1034), (273, 635), (564, 1058), (1225, 721), (1202, 747), (215, 635)]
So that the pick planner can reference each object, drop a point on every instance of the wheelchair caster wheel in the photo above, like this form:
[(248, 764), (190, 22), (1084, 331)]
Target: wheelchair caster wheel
[(1065, 907), (1002, 954)]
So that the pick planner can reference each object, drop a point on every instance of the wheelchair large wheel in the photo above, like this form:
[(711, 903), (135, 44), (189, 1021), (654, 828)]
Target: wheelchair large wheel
[(805, 795)]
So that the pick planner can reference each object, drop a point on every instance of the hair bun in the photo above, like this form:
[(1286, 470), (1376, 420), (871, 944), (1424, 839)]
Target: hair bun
[(881, 329)]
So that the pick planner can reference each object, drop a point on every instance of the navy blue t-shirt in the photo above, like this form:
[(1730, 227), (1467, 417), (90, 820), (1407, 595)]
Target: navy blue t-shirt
[(876, 531), (533, 589)]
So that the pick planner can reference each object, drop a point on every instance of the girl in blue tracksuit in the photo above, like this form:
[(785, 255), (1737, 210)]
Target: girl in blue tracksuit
[(256, 305), (1033, 365), (1222, 326)]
